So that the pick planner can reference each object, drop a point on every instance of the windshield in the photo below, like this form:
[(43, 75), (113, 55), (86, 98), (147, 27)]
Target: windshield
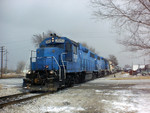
[(55, 45)]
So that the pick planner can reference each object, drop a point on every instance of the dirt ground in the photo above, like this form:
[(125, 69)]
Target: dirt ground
[(103, 95)]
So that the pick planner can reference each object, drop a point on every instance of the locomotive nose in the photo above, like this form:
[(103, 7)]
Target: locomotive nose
[(48, 58)]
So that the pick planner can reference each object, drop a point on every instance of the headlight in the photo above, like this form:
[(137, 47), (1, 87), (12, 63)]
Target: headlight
[(46, 66), (29, 72), (51, 72)]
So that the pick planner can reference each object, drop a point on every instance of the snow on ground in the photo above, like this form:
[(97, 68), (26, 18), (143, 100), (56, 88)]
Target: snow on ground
[(61, 109), (10, 86), (12, 81), (101, 95), (126, 75)]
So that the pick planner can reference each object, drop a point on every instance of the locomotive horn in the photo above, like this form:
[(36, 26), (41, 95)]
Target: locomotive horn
[(54, 34)]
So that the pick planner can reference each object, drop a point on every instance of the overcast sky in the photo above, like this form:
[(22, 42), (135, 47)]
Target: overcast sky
[(21, 19)]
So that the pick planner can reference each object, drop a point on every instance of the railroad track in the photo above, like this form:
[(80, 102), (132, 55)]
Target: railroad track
[(18, 98)]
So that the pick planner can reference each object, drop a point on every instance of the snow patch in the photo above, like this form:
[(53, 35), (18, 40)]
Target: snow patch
[(126, 75), (58, 109), (9, 86), (124, 106), (105, 101), (98, 91), (141, 86)]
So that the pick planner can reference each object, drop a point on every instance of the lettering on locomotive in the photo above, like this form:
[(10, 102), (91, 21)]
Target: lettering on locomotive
[(59, 40), (48, 41)]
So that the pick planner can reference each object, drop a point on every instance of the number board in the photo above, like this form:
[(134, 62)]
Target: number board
[(48, 41), (59, 40)]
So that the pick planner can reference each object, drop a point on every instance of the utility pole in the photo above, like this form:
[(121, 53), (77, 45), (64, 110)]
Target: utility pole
[(2, 50), (6, 61)]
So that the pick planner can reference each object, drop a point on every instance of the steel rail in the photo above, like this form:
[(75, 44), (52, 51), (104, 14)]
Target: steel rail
[(11, 96), (22, 100)]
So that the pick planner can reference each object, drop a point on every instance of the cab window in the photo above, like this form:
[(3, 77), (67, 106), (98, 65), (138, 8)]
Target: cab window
[(74, 49), (56, 45), (68, 47)]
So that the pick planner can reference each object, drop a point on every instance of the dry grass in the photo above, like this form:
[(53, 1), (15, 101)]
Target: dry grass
[(13, 75), (123, 72), (132, 78), (0, 86)]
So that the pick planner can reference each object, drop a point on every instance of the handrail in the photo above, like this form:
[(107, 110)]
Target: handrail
[(63, 65), (31, 58), (59, 68)]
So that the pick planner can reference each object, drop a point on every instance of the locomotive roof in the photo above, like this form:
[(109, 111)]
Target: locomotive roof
[(56, 37)]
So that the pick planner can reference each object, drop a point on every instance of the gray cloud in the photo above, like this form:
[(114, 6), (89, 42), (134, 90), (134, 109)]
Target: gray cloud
[(20, 19)]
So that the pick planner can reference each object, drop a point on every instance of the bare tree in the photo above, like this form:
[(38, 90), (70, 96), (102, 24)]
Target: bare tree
[(20, 66), (38, 38), (133, 16), (113, 59), (127, 66), (90, 48)]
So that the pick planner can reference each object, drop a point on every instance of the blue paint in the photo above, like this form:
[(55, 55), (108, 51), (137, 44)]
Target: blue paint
[(55, 52)]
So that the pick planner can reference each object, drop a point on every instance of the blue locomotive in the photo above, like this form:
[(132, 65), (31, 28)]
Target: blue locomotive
[(61, 62)]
